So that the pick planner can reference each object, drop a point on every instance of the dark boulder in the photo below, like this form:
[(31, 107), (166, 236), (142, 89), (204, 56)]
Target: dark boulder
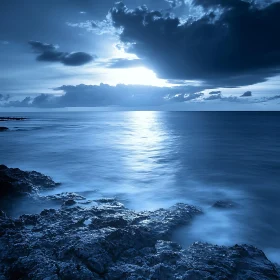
[(3, 128), (14, 181)]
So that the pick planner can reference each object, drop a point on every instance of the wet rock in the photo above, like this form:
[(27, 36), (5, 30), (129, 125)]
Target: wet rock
[(65, 196), (2, 119), (3, 128), (277, 267), (14, 181), (67, 199), (225, 204), (69, 202), (109, 241)]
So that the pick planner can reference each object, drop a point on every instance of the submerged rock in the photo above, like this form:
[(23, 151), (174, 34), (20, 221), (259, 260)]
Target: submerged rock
[(111, 242), (3, 128), (14, 181), (225, 204)]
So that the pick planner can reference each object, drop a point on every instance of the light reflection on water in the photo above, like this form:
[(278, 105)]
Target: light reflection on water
[(155, 159), (145, 146)]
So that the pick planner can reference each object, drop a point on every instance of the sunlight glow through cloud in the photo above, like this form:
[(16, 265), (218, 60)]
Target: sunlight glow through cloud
[(136, 76)]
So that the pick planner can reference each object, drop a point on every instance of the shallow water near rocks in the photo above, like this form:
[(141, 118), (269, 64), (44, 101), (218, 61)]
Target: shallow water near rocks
[(149, 160)]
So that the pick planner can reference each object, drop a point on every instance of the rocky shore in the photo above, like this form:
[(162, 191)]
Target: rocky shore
[(102, 239)]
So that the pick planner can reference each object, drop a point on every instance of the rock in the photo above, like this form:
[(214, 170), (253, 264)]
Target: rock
[(3, 128), (277, 267), (14, 181), (65, 196), (109, 241), (66, 199), (225, 204), (69, 202), (2, 119)]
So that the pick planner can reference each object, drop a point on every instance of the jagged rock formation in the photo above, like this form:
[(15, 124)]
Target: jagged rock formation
[(109, 241)]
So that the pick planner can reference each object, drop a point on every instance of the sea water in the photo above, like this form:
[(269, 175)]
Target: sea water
[(149, 160)]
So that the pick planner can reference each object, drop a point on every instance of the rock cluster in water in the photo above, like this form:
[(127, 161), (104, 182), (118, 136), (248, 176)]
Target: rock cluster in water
[(108, 241)]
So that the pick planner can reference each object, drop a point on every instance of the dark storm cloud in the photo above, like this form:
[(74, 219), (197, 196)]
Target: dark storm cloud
[(50, 53), (221, 3), (233, 43), (246, 94)]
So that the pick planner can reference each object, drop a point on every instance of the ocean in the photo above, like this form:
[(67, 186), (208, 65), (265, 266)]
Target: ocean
[(149, 160)]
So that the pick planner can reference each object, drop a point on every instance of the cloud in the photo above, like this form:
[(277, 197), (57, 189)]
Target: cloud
[(215, 92), (233, 43), (214, 96), (50, 53), (219, 96), (270, 98), (246, 94), (124, 63), (26, 102), (176, 3), (97, 27), (4, 97), (120, 95), (104, 95), (180, 97), (131, 96)]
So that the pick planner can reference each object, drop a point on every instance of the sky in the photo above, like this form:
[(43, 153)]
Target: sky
[(140, 54)]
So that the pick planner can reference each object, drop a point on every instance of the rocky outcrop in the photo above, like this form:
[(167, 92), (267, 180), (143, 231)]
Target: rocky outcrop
[(3, 128), (109, 241), (14, 181)]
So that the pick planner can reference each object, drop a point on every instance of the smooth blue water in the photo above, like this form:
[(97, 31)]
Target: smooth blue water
[(155, 159)]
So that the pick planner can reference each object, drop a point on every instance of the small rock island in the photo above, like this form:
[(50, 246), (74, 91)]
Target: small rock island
[(3, 119)]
